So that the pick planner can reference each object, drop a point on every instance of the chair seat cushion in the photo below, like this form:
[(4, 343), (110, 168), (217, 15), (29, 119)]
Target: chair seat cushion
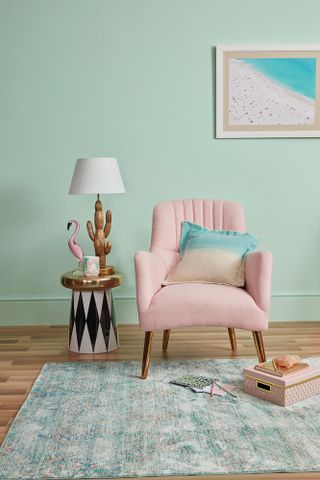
[(194, 304)]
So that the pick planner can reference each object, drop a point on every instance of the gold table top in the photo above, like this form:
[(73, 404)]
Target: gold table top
[(96, 283)]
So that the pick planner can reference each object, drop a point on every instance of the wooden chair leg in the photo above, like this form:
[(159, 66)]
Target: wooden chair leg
[(258, 341), (233, 338), (148, 338), (165, 340)]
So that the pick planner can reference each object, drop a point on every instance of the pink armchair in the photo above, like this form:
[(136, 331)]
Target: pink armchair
[(179, 305)]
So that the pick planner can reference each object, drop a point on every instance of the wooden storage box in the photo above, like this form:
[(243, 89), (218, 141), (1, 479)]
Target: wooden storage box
[(284, 390)]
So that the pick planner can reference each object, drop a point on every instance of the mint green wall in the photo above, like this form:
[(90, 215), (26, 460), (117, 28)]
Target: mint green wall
[(135, 79)]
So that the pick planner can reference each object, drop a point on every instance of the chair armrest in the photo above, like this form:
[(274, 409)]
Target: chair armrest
[(150, 273), (258, 270)]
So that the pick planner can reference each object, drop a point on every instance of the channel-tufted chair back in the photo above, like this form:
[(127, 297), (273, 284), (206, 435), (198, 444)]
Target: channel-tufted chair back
[(213, 214)]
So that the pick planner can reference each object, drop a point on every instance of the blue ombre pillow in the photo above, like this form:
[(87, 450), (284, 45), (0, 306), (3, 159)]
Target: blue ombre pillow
[(212, 256)]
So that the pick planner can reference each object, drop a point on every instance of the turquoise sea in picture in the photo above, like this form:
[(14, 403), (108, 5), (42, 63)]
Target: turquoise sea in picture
[(296, 74)]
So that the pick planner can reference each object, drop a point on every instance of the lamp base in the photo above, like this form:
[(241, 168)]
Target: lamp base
[(107, 270)]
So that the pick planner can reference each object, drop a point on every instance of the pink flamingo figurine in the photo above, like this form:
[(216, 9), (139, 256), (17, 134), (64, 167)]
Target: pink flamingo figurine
[(75, 249)]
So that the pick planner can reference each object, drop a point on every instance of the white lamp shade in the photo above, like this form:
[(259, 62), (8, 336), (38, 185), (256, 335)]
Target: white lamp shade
[(96, 175)]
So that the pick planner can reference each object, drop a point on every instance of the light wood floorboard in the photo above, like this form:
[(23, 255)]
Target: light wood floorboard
[(24, 350)]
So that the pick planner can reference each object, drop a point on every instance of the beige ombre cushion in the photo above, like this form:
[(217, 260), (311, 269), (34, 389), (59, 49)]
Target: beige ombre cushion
[(210, 266), (211, 256)]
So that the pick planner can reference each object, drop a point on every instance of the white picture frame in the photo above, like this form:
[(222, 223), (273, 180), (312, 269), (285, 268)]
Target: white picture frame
[(251, 79)]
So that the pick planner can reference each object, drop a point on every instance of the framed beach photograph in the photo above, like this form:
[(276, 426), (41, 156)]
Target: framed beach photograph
[(267, 91)]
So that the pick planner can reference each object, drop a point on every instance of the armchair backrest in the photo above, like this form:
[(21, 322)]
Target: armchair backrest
[(213, 214)]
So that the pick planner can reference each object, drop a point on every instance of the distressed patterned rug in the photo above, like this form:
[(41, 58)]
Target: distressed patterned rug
[(99, 420)]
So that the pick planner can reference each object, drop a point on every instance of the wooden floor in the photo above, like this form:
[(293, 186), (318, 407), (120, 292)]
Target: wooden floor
[(23, 351)]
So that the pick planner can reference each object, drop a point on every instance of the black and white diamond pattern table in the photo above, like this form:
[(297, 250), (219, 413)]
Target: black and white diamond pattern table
[(92, 325)]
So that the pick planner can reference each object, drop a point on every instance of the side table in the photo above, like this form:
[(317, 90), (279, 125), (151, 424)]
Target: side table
[(92, 324)]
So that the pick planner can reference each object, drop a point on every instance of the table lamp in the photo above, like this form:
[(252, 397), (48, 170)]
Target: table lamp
[(96, 176)]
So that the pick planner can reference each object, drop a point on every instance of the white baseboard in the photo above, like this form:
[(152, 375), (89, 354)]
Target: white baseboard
[(295, 307), (55, 311)]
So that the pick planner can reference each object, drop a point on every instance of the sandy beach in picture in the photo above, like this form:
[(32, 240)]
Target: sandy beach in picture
[(255, 99)]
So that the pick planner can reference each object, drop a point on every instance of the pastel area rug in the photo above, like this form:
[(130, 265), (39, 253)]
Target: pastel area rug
[(99, 420)]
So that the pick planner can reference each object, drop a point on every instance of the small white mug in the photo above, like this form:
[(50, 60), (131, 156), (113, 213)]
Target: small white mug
[(91, 266)]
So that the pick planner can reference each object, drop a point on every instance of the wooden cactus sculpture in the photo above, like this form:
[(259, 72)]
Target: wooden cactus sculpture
[(101, 248)]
